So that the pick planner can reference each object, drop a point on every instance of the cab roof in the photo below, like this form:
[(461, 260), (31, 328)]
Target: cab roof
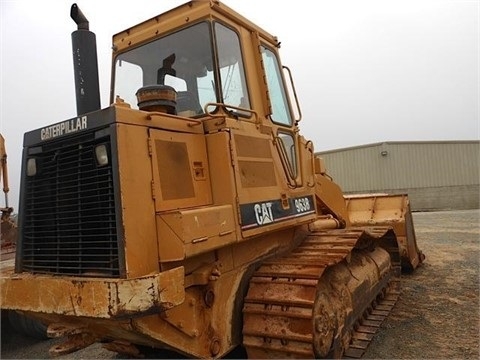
[(190, 12)]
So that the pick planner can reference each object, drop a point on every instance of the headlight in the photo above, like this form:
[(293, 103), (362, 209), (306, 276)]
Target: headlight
[(101, 154), (31, 167)]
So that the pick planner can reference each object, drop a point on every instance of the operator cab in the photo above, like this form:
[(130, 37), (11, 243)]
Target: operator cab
[(214, 62)]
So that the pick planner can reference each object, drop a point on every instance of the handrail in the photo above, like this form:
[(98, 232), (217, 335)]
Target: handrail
[(226, 107)]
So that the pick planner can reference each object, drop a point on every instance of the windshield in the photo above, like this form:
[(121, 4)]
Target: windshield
[(184, 61)]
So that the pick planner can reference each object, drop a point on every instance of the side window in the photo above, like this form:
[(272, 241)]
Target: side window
[(287, 144), (278, 97), (232, 74)]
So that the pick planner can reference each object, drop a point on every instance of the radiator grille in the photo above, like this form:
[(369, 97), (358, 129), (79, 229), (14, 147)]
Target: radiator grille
[(69, 223)]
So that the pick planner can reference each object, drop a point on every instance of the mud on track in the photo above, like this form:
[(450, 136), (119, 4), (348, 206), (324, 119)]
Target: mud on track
[(436, 317)]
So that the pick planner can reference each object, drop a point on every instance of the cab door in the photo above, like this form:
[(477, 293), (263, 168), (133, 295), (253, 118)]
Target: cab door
[(275, 167)]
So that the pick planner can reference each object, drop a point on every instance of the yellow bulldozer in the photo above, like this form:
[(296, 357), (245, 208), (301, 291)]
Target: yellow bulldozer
[(191, 215)]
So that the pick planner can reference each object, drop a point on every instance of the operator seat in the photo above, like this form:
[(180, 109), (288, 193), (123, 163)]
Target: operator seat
[(187, 104)]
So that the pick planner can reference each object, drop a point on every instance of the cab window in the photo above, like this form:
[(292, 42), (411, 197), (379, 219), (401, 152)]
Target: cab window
[(183, 60), (278, 98), (287, 142), (232, 73)]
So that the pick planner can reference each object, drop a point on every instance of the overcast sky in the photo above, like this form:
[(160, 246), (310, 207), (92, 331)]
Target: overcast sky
[(365, 71)]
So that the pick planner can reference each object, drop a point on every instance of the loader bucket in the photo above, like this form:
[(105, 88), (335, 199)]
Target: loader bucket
[(388, 210)]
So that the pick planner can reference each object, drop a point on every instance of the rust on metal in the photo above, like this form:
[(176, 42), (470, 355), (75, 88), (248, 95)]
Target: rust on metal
[(57, 330), (123, 347), (314, 296), (388, 210), (72, 344), (101, 298)]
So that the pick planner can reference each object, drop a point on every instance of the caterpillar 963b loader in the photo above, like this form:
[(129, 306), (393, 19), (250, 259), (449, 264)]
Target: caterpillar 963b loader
[(191, 215)]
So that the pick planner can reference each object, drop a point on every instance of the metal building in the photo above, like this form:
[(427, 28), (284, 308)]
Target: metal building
[(437, 175)]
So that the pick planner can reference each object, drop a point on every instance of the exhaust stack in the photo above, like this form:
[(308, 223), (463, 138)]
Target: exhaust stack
[(85, 64)]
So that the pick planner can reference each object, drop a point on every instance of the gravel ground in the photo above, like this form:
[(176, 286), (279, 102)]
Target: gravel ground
[(436, 317)]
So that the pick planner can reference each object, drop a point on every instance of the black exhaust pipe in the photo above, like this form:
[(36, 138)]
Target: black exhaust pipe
[(85, 64)]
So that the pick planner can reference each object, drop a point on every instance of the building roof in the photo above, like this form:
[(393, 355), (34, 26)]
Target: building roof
[(433, 142)]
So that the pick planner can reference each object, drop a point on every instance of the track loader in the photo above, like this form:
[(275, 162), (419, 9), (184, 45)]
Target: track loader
[(191, 215)]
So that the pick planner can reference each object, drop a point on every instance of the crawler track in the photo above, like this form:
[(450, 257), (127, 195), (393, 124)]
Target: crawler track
[(302, 305)]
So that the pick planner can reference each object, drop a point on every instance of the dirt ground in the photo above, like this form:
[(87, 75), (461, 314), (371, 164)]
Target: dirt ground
[(436, 317), (438, 313)]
